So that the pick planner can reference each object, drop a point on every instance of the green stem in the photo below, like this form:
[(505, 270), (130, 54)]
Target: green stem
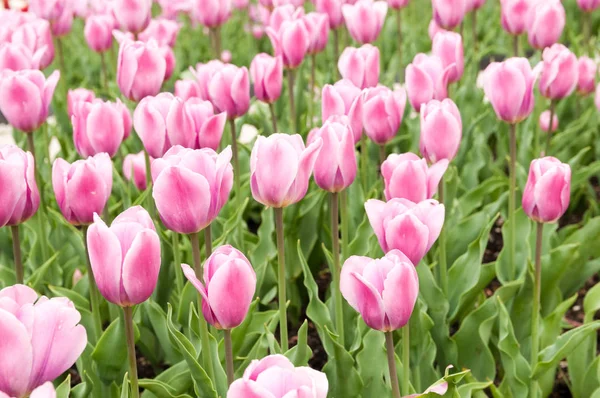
[(335, 243), (237, 178), (273, 117), (60, 53), (42, 213), (336, 50), (177, 260), (442, 245), (17, 253), (391, 357), (512, 198), (364, 164), (311, 102), (399, 24), (283, 329), (293, 121), (104, 72), (204, 336), (148, 170), (381, 156), (474, 28), (94, 293), (516, 45), (344, 223), (405, 360), (229, 356), (587, 27), (546, 151), (535, 314), (208, 241), (130, 337)]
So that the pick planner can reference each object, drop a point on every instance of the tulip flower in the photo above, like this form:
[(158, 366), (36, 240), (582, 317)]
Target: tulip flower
[(42, 339), (208, 126), (545, 23), (204, 74), (186, 89), (291, 41), (473, 5), (20, 194), (545, 122), (133, 15), (433, 29), (229, 90), (267, 76), (16, 56), (211, 13), (449, 47), (98, 32), (588, 5), (449, 13), (82, 188), (134, 169), (141, 69), (587, 68), (407, 176), (514, 15), (226, 56), (360, 65), (318, 31), (164, 31), (427, 79), (364, 19), (172, 8), (382, 113), (343, 99), (397, 4), (25, 98), (58, 12), (78, 95), (32, 32), (333, 10), (441, 130), (46, 390)]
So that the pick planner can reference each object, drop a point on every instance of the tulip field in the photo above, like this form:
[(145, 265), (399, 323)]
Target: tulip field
[(299, 199)]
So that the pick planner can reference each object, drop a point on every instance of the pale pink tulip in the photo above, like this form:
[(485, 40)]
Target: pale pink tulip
[(78, 95), (545, 23), (360, 65), (343, 99), (586, 83), (408, 176), (514, 15), (548, 190), (449, 13), (229, 90), (208, 126), (19, 195), (141, 69), (333, 10), (134, 169), (588, 5), (427, 79), (383, 112), (365, 19), (98, 32), (16, 56), (449, 47), (560, 72), (441, 130), (186, 89), (267, 75), (545, 122), (211, 13), (204, 74), (133, 15), (164, 31), (318, 31), (291, 41)]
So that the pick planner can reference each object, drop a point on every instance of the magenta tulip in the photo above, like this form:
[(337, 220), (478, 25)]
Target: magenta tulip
[(291, 41), (16, 56), (280, 166), (164, 31), (333, 10), (20, 197), (586, 83), (343, 99), (427, 79), (208, 126), (449, 13), (407, 176), (560, 72), (204, 74), (186, 89), (383, 112), (365, 19), (588, 5), (548, 190), (545, 23), (229, 91), (98, 32), (211, 13), (267, 75), (449, 47), (398, 4), (141, 69), (360, 65), (545, 122), (133, 15), (78, 95), (441, 130), (317, 25), (191, 187), (228, 289), (514, 14), (134, 169), (82, 188)]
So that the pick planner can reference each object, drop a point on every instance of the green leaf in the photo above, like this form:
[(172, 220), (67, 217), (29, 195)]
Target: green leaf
[(158, 320), (503, 264), (301, 352), (110, 353), (177, 378), (125, 391), (344, 380), (591, 303), (64, 388), (372, 366), (161, 389)]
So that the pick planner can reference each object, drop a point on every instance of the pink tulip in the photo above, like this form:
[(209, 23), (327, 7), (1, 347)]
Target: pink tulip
[(588, 5), (186, 89), (164, 31), (211, 13), (283, 13), (449, 47), (280, 166), (407, 176), (58, 12), (133, 15), (204, 74), (25, 98), (46, 390), (333, 10), (291, 41), (365, 19), (335, 167), (473, 5), (229, 90), (360, 65), (441, 130), (172, 8), (597, 97), (545, 122), (98, 32), (191, 187), (208, 126), (20, 197), (141, 69), (78, 95), (409, 227), (427, 79), (32, 32), (169, 56), (241, 4), (509, 87), (82, 188), (276, 377), (514, 15), (317, 25), (545, 23), (434, 29), (134, 169), (267, 75), (398, 4), (383, 291), (586, 83), (548, 190), (41, 339), (560, 72), (383, 112), (125, 258), (343, 99), (228, 289), (226, 56), (15, 57), (449, 13)]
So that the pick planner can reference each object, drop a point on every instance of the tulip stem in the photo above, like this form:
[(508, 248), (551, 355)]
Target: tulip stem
[(535, 315), (236, 177), (399, 23), (228, 356), (364, 164), (104, 72), (130, 337), (516, 45), (293, 121), (546, 151), (283, 329), (94, 294), (148, 170), (381, 156), (311, 102), (344, 222), (17, 253), (208, 241), (273, 117), (61, 57), (442, 244), (38, 181), (177, 261), (587, 25), (204, 335), (512, 198), (336, 49), (335, 244), (474, 28), (391, 357), (405, 359)]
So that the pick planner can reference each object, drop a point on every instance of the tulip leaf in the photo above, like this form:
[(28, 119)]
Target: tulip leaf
[(344, 380), (506, 271), (178, 379), (301, 352), (110, 353), (372, 366), (591, 303), (158, 320), (64, 389), (125, 391), (161, 389)]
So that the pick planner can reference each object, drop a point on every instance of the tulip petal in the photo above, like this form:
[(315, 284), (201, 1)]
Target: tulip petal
[(368, 300), (86, 193), (151, 128), (46, 390), (419, 85), (435, 173), (547, 195), (400, 292), (247, 389), (375, 209), (105, 129), (141, 266), (276, 171), (14, 189), (409, 235), (16, 358)]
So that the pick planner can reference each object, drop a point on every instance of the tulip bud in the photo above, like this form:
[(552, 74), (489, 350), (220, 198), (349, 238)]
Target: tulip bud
[(189, 197), (449, 13), (133, 15), (186, 89), (280, 166), (134, 169), (433, 29), (25, 98), (586, 83), (211, 13), (15, 57), (397, 4), (473, 5), (548, 190), (82, 188), (58, 12), (20, 197), (164, 31), (383, 112), (409, 227), (267, 75), (514, 15), (318, 31), (169, 56), (291, 41), (333, 10), (545, 23), (407, 176), (384, 291), (545, 122), (36, 35), (441, 130), (229, 91), (141, 69), (98, 32), (343, 99), (208, 126), (125, 258), (365, 19), (427, 79), (588, 5), (449, 47), (204, 74), (560, 72), (360, 65), (229, 286), (78, 95)]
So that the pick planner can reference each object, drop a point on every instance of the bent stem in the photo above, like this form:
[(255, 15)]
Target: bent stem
[(442, 245), (535, 314), (391, 357), (293, 124), (512, 198), (546, 151), (228, 356), (364, 166), (236, 177), (94, 293), (204, 337), (273, 117), (17, 253), (344, 222), (335, 243), (283, 329), (130, 337)]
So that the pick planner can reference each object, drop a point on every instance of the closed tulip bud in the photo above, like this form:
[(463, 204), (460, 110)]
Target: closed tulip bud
[(514, 15), (473, 5), (335, 167), (427, 79), (545, 23), (229, 91), (407, 176), (383, 112), (169, 56), (228, 289), (318, 30), (275, 376), (548, 190), (208, 126), (283, 13), (133, 15), (586, 83), (134, 169), (211, 13), (78, 95), (15, 56), (82, 188), (398, 4), (291, 41), (333, 10), (509, 87), (141, 69), (20, 197), (360, 65), (433, 29), (191, 187), (58, 12), (365, 19), (560, 72), (409, 227), (36, 35), (98, 32), (441, 130), (25, 98), (125, 257), (41, 339), (449, 13), (545, 122), (449, 47), (280, 167), (164, 31), (163, 121), (588, 5), (384, 291), (344, 99), (267, 75), (186, 89), (204, 74)]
